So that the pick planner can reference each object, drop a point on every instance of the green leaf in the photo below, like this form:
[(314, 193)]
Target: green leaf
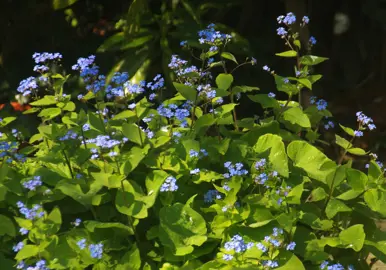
[(244, 89), (353, 237), (289, 261), (265, 101), (124, 115), (27, 251), (133, 158), (334, 207), (45, 101), (181, 228), (32, 110), (50, 113), (311, 160), (224, 81), (277, 155), (342, 142), (305, 82), (204, 121), (356, 179), (296, 116), (357, 151), (133, 133), (60, 4), (229, 56), (128, 201), (284, 86), (310, 60), (92, 225), (54, 220), (290, 53), (348, 130), (336, 177), (96, 122), (376, 200), (7, 226), (186, 91), (317, 194), (131, 259)]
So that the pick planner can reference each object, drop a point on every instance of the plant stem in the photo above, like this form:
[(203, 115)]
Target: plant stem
[(68, 164), (234, 114)]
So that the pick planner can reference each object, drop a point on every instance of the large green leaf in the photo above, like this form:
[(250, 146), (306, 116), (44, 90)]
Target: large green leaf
[(310, 60), (289, 261), (277, 155), (296, 116), (376, 200), (133, 133), (334, 207), (310, 159), (186, 91), (356, 179), (353, 237), (7, 226), (115, 226), (129, 200), (181, 228), (290, 53), (224, 81)]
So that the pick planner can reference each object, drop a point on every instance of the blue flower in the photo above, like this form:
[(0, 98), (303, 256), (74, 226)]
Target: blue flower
[(266, 68), (33, 184), (234, 170), (211, 195), (169, 184), (321, 104), (291, 246), (271, 95), (96, 251), (18, 246), (270, 264), (358, 133), (23, 231), (260, 163), (77, 222), (183, 43), (253, 61), (305, 20), (227, 257), (312, 40), (281, 31), (262, 247), (195, 171), (81, 243), (290, 18), (28, 85)]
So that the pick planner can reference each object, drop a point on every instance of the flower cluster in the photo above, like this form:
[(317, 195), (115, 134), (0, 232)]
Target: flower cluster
[(104, 141), (96, 250), (212, 37), (234, 169), (206, 91), (321, 104), (329, 125), (236, 244), (200, 154), (169, 184), (33, 184), (8, 151), (337, 266), (87, 68), (184, 71), (43, 59), (172, 110), (27, 86), (117, 81), (134, 88), (34, 213), (69, 135), (40, 265), (365, 121), (212, 195)]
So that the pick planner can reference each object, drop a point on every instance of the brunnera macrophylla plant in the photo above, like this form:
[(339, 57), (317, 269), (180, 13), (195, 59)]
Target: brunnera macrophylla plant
[(136, 181)]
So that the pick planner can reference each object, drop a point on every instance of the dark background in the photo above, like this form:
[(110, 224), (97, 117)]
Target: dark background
[(142, 35)]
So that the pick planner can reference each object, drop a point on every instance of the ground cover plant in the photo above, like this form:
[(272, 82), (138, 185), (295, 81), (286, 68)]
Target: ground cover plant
[(136, 180)]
